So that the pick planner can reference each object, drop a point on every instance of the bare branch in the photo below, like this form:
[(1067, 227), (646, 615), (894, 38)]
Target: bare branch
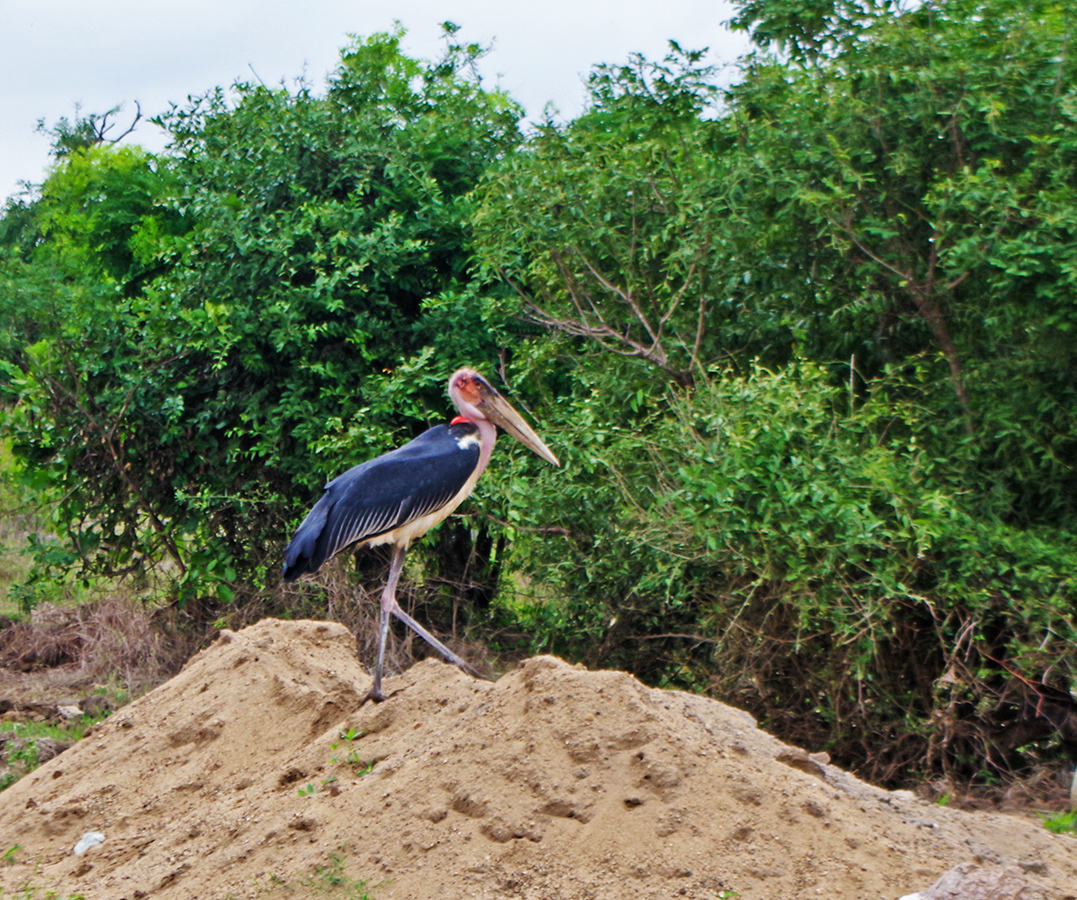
[(624, 295), (101, 126), (923, 297), (960, 278)]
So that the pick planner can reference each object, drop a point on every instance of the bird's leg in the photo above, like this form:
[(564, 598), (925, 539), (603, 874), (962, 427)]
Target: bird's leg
[(388, 602), (389, 606), (432, 641)]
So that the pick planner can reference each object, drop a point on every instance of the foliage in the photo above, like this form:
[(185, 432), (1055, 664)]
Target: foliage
[(68, 297), (19, 520), (358, 764), (282, 296), (71, 137), (19, 761), (608, 227), (72, 730), (923, 179), (806, 29), (330, 879), (31, 892), (910, 197), (20, 744), (755, 539), (875, 528), (1060, 823)]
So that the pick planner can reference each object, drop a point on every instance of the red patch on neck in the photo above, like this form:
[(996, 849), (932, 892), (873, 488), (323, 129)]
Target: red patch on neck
[(460, 420)]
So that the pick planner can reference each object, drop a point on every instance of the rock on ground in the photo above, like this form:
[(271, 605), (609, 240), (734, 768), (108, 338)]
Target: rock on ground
[(971, 882), (553, 783)]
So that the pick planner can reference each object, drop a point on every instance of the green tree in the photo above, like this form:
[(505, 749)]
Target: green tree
[(894, 206), (805, 29), (610, 227), (307, 296), (919, 182), (71, 307)]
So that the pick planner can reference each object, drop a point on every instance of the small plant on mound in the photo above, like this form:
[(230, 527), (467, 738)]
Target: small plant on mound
[(359, 765), (330, 880), (1060, 823), (30, 892)]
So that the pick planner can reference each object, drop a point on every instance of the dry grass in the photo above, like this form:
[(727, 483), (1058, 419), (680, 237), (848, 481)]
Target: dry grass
[(336, 595), (112, 638)]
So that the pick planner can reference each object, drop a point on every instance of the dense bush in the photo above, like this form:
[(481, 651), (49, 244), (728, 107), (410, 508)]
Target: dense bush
[(282, 295), (876, 528), (758, 539)]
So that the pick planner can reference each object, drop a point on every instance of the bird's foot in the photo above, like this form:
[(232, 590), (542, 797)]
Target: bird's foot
[(469, 670), (375, 696)]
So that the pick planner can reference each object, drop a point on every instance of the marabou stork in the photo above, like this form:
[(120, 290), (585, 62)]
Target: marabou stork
[(396, 497)]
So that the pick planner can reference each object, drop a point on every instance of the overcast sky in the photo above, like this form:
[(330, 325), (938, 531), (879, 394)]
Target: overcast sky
[(55, 54)]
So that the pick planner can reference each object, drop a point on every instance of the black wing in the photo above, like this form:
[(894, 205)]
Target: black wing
[(383, 494)]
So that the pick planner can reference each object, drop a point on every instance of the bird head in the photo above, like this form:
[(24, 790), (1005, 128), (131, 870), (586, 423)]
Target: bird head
[(478, 400)]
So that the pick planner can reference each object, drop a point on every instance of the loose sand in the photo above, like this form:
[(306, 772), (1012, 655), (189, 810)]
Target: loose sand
[(232, 780)]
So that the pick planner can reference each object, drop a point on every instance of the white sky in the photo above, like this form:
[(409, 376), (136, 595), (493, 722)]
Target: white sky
[(102, 53)]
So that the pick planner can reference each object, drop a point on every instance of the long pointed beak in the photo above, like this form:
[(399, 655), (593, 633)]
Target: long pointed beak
[(497, 409)]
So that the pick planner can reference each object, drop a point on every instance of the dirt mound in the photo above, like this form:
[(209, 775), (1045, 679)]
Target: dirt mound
[(233, 780)]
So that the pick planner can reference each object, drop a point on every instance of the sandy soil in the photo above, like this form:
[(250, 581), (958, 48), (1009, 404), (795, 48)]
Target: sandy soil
[(232, 780)]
